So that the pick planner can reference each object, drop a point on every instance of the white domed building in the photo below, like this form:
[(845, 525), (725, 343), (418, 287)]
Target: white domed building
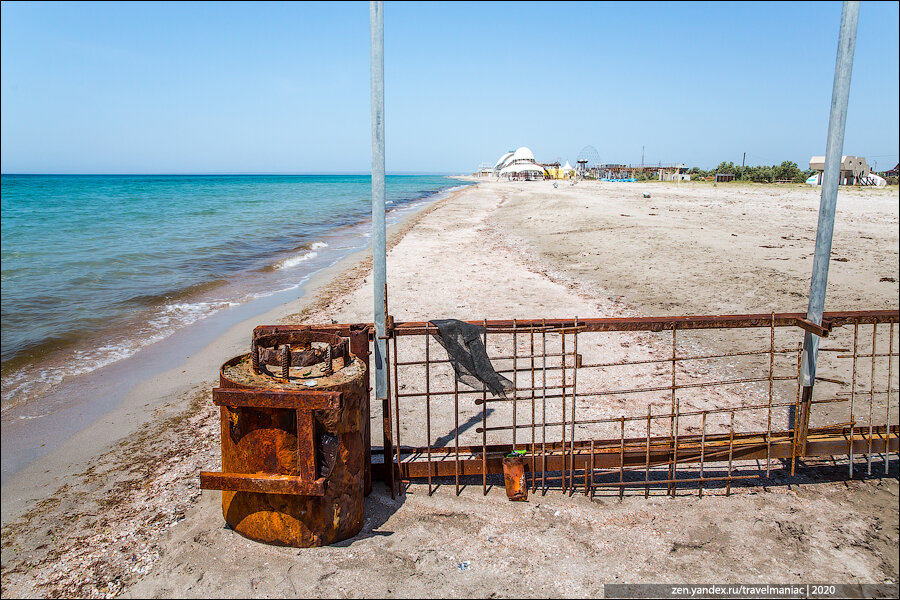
[(519, 162)]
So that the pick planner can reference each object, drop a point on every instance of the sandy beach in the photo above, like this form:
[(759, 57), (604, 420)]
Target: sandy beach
[(117, 510)]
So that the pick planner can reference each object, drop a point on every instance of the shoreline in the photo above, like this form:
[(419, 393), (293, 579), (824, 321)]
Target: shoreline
[(122, 407), (39, 368)]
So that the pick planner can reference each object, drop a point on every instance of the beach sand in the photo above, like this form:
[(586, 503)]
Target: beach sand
[(129, 518)]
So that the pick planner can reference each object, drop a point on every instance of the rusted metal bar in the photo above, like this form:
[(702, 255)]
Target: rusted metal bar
[(703, 451), (701, 480), (836, 319), (575, 366), (456, 430), (647, 463), (593, 468), (306, 444), (533, 414), (674, 476), (563, 363), (674, 388), (689, 445), (871, 399), (824, 441), (796, 424), (294, 399), (427, 402), (813, 328), (621, 455), (649, 361), (866, 355), (515, 374), (829, 319), (544, 410), (387, 358), (386, 426), (830, 380), (887, 418), (359, 347), (852, 395), (749, 407), (588, 471), (593, 393), (771, 391), (412, 363), (484, 423), (264, 484), (285, 360), (731, 454), (717, 448)]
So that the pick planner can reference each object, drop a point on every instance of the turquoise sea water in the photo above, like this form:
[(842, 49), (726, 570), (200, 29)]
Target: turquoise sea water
[(96, 267)]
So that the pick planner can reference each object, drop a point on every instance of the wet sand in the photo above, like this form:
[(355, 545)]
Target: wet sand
[(130, 520)]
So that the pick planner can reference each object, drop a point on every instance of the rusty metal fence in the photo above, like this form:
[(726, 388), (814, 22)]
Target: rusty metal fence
[(636, 405), (643, 403)]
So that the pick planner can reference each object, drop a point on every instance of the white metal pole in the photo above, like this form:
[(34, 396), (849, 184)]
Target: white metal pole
[(840, 97), (379, 249)]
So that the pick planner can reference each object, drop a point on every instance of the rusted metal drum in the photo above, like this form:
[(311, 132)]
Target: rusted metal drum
[(293, 452)]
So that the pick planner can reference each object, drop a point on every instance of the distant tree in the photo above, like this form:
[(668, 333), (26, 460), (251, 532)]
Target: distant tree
[(786, 171), (789, 171), (727, 167), (697, 173), (763, 174)]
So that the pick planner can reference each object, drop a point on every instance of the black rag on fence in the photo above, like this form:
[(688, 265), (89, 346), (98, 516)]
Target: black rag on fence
[(469, 358)]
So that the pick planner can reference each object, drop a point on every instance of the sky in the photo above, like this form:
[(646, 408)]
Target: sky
[(284, 87)]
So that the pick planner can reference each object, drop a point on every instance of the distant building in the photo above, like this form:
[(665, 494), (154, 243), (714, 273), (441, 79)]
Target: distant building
[(555, 171), (519, 163), (663, 172), (893, 172), (724, 177), (854, 169), (670, 176)]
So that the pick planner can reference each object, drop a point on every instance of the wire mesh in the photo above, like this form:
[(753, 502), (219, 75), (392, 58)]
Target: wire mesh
[(609, 409)]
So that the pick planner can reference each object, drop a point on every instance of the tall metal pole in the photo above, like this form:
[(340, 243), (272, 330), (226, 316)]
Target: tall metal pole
[(840, 96), (379, 249), (743, 160)]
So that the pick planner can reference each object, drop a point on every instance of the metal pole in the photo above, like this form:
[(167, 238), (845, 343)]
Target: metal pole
[(840, 96), (379, 249), (743, 160)]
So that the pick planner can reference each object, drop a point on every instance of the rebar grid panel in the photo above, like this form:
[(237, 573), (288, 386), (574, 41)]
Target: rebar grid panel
[(642, 403)]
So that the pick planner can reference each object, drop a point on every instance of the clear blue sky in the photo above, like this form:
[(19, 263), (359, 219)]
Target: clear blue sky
[(258, 87)]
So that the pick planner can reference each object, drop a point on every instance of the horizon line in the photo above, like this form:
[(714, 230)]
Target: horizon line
[(188, 174)]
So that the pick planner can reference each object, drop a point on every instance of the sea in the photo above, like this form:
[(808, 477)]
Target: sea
[(97, 267)]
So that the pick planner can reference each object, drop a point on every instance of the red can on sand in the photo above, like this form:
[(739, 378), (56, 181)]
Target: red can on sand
[(514, 478)]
